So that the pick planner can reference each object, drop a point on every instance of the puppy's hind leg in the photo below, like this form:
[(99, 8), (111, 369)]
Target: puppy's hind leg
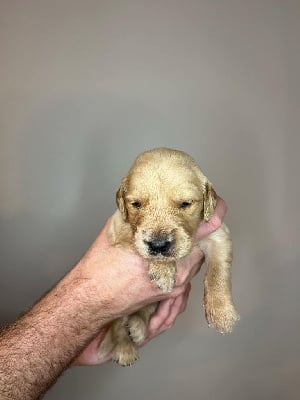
[(138, 323), (117, 340), (126, 352)]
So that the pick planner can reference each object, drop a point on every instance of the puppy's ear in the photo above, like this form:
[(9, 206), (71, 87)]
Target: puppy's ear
[(120, 198), (209, 200)]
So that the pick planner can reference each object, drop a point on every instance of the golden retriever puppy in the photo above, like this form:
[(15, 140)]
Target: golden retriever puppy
[(161, 202)]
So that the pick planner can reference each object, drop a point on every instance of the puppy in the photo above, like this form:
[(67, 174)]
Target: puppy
[(161, 202)]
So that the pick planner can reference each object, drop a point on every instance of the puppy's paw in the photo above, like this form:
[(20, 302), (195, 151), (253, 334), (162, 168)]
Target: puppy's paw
[(137, 329), (126, 354), (165, 282), (221, 315), (163, 274)]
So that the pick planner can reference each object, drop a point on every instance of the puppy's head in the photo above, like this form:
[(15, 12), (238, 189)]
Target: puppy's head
[(163, 199)]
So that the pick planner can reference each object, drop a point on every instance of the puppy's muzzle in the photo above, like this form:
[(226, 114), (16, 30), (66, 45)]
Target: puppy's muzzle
[(159, 246)]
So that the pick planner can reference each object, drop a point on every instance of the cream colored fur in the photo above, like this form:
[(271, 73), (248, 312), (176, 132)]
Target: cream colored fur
[(161, 202)]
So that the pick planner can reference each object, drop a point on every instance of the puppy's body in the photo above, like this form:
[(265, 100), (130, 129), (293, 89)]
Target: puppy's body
[(161, 203)]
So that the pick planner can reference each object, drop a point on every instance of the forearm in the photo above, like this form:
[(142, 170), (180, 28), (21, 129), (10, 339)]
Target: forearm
[(40, 345), (107, 283)]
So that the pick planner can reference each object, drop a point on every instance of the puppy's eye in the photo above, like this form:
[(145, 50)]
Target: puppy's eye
[(136, 204), (185, 204)]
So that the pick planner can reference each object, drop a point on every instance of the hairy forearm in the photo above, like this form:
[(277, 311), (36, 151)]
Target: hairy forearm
[(36, 349), (107, 283), (41, 344)]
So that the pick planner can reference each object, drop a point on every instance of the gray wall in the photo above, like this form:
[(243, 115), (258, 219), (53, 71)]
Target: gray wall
[(86, 86)]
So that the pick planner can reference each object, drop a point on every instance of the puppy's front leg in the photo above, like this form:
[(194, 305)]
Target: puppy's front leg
[(219, 307), (163, 274)]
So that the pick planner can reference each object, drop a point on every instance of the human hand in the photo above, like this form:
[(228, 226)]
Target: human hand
[(165, 316), (163, 319), (171, 304)]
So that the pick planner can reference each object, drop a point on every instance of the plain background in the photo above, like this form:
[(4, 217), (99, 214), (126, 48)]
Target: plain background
[(88, 85)]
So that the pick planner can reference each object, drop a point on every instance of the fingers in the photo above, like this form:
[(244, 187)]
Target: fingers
[(189, 266), (178, 307), (167, 313), (215, 221), (160, 316), (163, 319)]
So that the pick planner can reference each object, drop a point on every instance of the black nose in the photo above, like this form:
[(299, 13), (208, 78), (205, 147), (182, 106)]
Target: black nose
[(159, 246)]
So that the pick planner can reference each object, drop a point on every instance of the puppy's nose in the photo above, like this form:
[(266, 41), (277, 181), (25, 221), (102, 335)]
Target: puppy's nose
[(159, 246)]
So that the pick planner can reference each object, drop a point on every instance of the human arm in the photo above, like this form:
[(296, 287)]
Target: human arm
[(41, 344)]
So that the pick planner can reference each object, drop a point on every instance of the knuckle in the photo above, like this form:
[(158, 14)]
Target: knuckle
[(169, 325)]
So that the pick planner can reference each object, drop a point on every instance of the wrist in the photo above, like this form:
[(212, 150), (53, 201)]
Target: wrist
[(91, 292)]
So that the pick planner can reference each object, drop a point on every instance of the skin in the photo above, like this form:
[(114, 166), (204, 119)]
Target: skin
[(66, 326), (169, 308)]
